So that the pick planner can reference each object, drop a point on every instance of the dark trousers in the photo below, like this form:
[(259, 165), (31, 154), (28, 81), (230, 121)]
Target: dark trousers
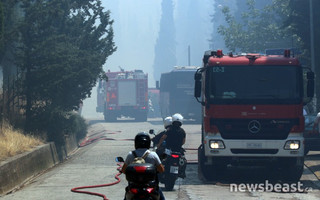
[(161, 194)]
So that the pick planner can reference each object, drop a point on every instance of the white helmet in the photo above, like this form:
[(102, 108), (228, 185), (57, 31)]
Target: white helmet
[(177, 118), (167, 122)]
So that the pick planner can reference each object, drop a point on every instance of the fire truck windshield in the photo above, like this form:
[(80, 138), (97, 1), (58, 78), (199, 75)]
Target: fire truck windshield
[(255, 84)]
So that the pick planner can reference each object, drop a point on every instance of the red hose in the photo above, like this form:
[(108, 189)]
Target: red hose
[(96, 137), (90, 141), (76, 189), (86, 142)]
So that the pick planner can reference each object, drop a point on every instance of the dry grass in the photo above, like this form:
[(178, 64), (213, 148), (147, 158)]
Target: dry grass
[(14, 142)]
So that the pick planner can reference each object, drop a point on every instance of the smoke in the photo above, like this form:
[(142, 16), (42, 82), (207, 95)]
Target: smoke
[(137, 28)]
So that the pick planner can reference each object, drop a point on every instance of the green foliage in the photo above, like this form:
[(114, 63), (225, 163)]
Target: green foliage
[(63, 47), (299, 22), (165, 46), (258, 29), (55, 124), (61, 124), (281, 20), (77, 125), (8, 34), (1, 26)]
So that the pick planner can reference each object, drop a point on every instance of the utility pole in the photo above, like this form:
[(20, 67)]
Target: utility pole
[(189, 63), (311, 36), (313, 68)]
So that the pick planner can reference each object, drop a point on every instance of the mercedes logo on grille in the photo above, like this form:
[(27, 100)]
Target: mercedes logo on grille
[(254, 126)]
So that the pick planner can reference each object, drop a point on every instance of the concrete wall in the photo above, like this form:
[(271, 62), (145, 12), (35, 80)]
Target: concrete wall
[(70, 145), (17, 170)]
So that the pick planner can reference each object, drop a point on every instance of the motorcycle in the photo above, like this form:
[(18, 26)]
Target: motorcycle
[(174, 164), (142, 182)]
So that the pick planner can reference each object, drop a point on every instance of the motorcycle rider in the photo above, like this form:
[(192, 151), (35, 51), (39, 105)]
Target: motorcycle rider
[(142, 143), (167, 123), (175, 137)]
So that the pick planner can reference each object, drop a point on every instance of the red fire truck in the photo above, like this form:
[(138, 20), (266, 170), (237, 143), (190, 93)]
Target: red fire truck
[(252, 112), (124, 94)]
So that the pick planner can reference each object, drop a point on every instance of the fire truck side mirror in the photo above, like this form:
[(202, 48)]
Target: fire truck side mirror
[(310, 84), (197, 84), (197, 88), (197, 76)]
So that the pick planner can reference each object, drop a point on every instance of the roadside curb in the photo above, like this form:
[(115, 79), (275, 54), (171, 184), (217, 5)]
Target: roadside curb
[(314, 167), (18, 169), (312, 161)]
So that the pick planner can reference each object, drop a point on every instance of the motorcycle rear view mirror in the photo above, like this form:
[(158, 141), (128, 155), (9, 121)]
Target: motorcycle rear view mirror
[(151, 131), (119, 159)]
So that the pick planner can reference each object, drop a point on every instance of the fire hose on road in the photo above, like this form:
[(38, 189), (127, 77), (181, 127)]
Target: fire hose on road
[(79, 189), (86, 142), (90, 140)]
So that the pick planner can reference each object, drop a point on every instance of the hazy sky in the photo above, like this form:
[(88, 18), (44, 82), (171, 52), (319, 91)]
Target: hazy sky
[(136, 27), (193, 27)]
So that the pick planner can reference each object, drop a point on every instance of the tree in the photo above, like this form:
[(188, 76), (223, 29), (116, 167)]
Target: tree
[(7, 23), (8, 108), (1, 26), (62, 48), (258, 29), (299, 23), (281, 20), (165, 49)]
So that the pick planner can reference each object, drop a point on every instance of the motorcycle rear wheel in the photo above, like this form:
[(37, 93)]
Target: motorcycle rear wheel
[(169, 183)]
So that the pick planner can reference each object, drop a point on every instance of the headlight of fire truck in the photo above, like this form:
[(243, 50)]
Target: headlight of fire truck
[(216, 144), (292, 145)]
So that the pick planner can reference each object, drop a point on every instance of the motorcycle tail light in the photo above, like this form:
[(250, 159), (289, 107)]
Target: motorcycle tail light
[(175, 156), (140, 169), (134, 190), (150, 190)]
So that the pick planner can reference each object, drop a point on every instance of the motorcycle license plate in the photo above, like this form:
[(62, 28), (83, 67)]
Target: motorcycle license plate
[(167, 151), (174, 169)]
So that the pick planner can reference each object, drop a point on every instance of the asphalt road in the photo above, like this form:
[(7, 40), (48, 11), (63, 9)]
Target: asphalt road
[(95, 164)]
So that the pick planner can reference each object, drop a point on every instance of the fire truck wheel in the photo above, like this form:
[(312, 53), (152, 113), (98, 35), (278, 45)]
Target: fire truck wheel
[(110, 117), (141, 117), (292, 169), (207, 172)]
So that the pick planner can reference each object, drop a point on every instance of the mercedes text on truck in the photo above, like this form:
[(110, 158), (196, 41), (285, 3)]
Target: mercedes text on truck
[(252, 112)]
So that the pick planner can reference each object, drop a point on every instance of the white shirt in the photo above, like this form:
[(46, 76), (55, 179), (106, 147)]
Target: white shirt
[(152, 157), (317, 120)]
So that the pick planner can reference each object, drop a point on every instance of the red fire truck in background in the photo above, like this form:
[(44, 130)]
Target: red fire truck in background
[(124, 94), (252, 112)]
